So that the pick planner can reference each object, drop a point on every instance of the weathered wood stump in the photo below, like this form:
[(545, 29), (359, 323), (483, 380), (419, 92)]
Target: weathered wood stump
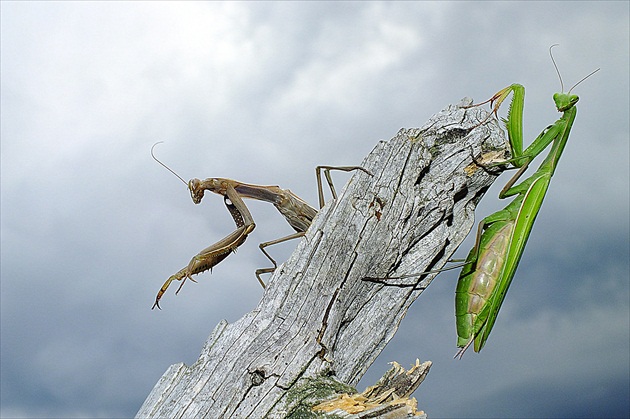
[(320, 324)]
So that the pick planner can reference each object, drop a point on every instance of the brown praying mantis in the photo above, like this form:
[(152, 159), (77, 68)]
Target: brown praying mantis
[(295, 210)]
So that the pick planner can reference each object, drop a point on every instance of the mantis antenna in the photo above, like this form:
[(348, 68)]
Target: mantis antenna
[(560, 77), (586, 77), (167, 168), (556, 67)]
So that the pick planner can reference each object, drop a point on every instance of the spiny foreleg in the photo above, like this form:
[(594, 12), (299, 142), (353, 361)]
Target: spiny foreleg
[(213, 255)]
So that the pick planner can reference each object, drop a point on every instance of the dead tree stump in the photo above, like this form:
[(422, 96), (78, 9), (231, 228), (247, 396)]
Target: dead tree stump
[(320, 325)]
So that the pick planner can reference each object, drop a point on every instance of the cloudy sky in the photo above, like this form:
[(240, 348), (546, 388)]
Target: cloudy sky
[(264, 92)]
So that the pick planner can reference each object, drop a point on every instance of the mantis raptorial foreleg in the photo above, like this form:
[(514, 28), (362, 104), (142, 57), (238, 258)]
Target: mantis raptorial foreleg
[(295, 210), (212, 255)]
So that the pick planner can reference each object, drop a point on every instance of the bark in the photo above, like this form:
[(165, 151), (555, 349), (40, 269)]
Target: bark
[(320, 324)]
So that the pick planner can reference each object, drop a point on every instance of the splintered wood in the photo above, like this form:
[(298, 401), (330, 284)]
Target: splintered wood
[(389, 397)]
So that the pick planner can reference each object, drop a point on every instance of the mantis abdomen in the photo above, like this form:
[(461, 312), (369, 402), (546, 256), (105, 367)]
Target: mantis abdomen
[(478, 281)]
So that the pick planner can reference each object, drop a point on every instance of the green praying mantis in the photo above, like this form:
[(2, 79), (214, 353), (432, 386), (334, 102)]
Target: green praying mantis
[(501, 237)]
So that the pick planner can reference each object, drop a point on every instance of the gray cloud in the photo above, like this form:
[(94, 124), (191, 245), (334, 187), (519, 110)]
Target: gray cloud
[(263, 93)]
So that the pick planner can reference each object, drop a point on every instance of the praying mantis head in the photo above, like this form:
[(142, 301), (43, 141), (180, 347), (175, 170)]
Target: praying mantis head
[(196, 190), (565, 101)]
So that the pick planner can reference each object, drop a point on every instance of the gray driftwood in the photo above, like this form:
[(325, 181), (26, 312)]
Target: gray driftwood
[(320, 325)]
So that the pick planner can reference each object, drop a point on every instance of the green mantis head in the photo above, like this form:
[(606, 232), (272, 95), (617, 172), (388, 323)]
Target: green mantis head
[(565, 101)]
